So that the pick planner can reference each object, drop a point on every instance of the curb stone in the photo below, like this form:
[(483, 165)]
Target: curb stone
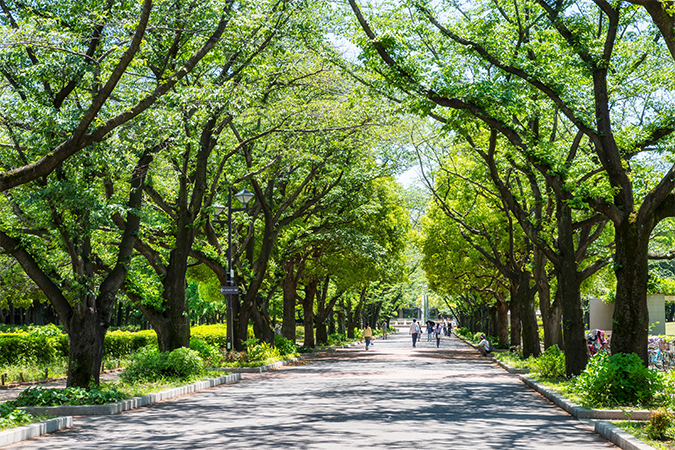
[(34, 430), (508, 368), (132, 403), (597, 416), (267, 367), (581, 412), (619, 437)]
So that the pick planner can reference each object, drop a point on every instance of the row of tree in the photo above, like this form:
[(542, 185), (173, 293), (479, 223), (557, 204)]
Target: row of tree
[(122, 125), (557, 117)]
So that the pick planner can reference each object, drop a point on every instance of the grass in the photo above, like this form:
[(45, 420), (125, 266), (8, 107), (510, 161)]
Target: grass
[(512, 359), (638, 429), (32, 372), (139, 389)]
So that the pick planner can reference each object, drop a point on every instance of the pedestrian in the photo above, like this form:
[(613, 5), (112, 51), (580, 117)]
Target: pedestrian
[(384, 330), (414, 331), (430, 330), (438, 332), (367, 335), (445, 328), (484, 346)]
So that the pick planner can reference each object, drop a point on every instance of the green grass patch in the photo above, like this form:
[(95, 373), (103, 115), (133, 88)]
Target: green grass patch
[(513, 360), (639, 430)]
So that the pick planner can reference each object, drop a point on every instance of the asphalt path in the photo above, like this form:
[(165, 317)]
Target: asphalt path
[(391, 396)]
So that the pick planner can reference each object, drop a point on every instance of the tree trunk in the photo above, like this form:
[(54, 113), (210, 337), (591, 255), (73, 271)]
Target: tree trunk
[(525, 296), (308, 312), (290, 295), (631, 317), (502, 323), (515, 335), (86, 338)]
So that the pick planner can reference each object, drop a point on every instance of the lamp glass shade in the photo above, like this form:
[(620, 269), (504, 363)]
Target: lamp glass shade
[(219, 209), (244, 196)]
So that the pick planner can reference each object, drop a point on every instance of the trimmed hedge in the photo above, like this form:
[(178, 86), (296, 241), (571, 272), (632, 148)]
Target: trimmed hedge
[(42, 345), (211, 334), (119, 344), (31, 349)]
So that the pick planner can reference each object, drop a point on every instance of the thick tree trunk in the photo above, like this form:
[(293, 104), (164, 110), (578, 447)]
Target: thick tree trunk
[(569, 284), (308, 312), (86, 338), (290, 295), (631, 317), (514, 307), (502, 322), (551, 316), (525, 296)]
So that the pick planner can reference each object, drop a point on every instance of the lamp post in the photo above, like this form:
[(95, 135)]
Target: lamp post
[(244, 197)]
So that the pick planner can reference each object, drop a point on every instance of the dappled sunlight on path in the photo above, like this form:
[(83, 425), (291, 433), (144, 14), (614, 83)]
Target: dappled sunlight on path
[(392, 396)]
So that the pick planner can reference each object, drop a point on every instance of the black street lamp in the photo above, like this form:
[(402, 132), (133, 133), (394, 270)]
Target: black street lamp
[(244, 197)]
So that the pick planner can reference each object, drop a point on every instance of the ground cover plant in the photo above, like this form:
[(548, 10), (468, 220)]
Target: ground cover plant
[(11, 417), (640, 430)]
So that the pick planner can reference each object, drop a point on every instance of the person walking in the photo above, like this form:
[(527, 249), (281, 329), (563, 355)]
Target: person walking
[(367, 335), (438, 333), (414, 331), (430, 330), (384, 330)]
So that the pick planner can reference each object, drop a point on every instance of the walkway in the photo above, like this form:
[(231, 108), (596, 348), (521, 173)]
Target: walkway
[(392, 396)]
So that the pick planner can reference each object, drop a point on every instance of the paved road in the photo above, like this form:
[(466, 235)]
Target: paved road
[(392, 396)]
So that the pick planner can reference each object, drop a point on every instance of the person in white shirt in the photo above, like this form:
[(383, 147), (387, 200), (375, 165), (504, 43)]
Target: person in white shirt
[(414, 331), (484, 346)]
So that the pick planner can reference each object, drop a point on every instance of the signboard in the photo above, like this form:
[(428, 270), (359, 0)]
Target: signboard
[(229, 290)]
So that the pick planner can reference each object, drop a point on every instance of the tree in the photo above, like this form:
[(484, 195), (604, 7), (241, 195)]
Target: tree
[(519, 60)]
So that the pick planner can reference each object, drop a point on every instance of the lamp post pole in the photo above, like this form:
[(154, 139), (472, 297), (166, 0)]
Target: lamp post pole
[(230, 289)]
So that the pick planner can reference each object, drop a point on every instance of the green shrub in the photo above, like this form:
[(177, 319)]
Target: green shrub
[(146, 364), (209, 353), (260, 351), (659, 422), (619, 379), (337, 339), (184, 363), (150, 365), (284, 346), (550, 364), (39, 396)]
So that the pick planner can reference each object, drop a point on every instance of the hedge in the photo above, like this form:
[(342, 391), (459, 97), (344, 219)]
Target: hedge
[(37, 347)]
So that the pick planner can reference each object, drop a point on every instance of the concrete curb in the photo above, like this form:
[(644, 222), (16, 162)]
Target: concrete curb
[(610, 432), (267, 367), (34, 430), (132, 403), (619, 437), (508, 368), (580, 412)]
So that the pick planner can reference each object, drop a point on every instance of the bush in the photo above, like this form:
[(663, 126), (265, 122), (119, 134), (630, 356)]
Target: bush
[(209, 353), (150, 365), (550, 364), (284, 346), (146, 365), (619, 379), (659, 422), (257, 351), (184, 363), (337, 339)]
